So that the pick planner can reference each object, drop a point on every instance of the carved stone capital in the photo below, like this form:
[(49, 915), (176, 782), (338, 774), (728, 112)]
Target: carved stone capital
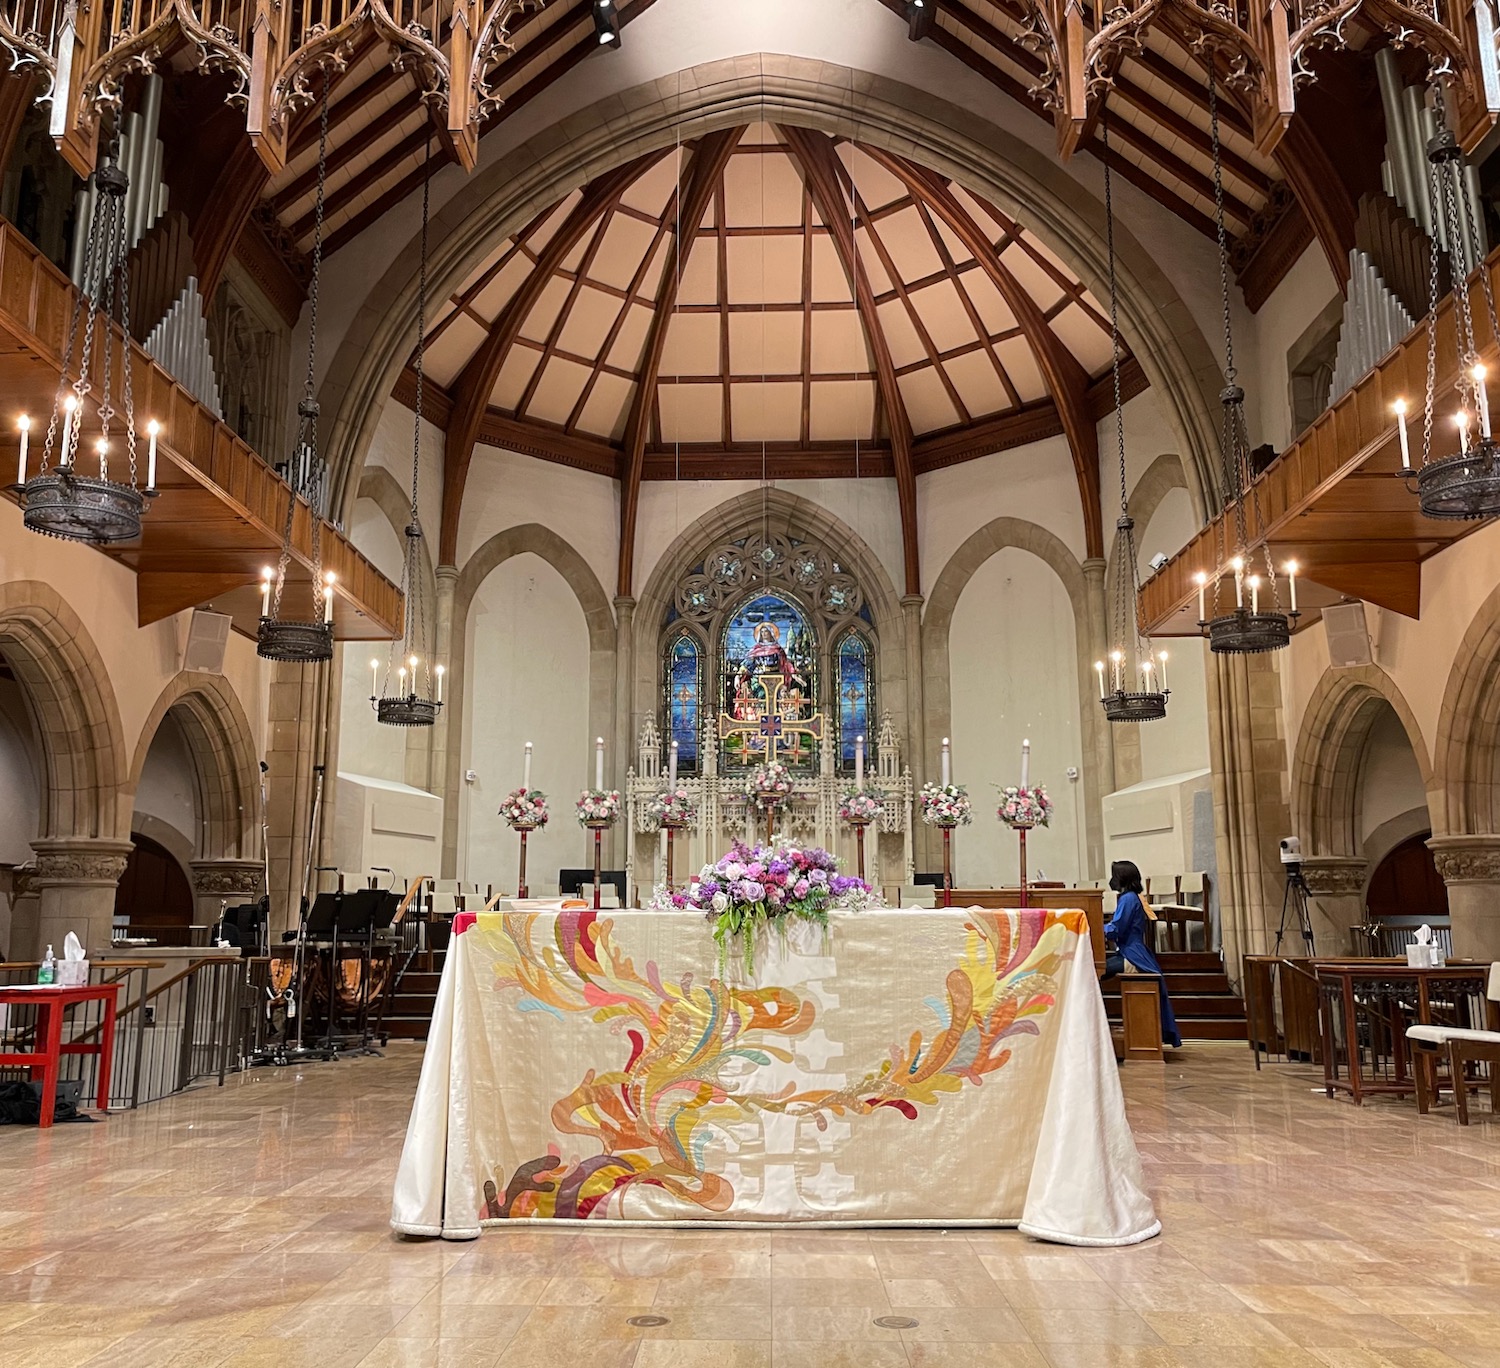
[(1335, 876), (70, 860), (227, 878), (1467, 859)]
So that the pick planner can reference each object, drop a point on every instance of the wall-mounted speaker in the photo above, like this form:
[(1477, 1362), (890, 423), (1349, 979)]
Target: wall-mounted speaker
[(1348, 635), (208, 639)]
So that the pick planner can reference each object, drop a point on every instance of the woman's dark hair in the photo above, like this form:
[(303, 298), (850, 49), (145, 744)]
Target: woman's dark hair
[(1124, 877)]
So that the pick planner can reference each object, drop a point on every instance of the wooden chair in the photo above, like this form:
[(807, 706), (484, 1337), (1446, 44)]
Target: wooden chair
[(1460, 1047)]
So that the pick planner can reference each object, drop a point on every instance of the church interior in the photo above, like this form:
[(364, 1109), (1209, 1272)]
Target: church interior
[(843, 654)]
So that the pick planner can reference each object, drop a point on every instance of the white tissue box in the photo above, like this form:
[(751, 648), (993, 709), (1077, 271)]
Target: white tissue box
[(72, 973)]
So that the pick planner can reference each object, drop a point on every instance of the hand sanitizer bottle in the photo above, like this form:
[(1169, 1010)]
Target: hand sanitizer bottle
[(48, 972)]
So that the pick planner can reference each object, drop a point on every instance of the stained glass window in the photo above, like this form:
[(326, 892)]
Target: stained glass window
[(684, 681), (855, 704), (768, 638)]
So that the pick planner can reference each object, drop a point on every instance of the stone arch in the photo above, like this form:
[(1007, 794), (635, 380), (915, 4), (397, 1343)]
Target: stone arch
[(599, 617), (1466, 754), (225, 768), (379, 486), (937, 623), (1330, 748), (74, 711), (985, 158), (1159, 479)]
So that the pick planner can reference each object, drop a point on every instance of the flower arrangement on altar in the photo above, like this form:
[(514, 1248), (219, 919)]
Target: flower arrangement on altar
[(670, 808), (525, 808), (945, 805), (771, 885), (1024, 807), (598, 807), (859, 807), (769, 785)]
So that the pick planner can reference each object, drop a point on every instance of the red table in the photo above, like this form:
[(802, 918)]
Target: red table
[(51, 1004)]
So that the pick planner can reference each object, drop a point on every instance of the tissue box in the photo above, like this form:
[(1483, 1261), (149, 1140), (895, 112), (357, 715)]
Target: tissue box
[(1418, 956), (72, 973)]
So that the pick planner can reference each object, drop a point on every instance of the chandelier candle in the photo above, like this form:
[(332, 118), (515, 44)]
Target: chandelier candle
[(1462, 419), (1255, 593), (1099, 670), (374, 678), (152, 428), (265, 592), (1201, 580), (1400, 407), (1162, 656), (1291, 576), (65, 452), (1239, 581), (24, 423), (328, 580), (1481, 400), (102, 447), (439, 671)]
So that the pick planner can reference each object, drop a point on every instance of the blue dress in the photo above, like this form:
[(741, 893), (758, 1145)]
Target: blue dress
[(1128, 928)]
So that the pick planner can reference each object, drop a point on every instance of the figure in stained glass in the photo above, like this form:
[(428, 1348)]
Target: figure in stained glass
[(854, 701), (768, 636), (684, 695)]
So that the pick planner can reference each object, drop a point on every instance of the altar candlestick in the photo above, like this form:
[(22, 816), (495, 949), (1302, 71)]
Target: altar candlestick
[(265, 591), (70, 408), (1117, 658), (1254, 593), (672, 766), (1025, 763), (152, 428), (102, 447), (859, 761), (1201, 580), (1462, 419), (438, 670), (1481, 400), (599, 763), (374, 679), (947, 762), (328, 580), (1099, 670), (526, 770), (1291, 575), (24, 423), (1162, 656), (1238, 566)]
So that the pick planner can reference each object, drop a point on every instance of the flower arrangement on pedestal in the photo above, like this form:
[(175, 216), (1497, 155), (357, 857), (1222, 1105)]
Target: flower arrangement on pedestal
[(770, 885), (598, 807), (945, 805), (769, 785), (525, 809), (859, 807), (669, 808), (1024, 807)]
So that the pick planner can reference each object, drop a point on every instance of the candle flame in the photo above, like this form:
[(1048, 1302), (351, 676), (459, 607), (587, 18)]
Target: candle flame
[(71, 402), (24, 422), (1400, 408), (153, 427), (1200, 579), (439, 669), (267, 574), (1478, 371), (413, 662), (1238, 563)]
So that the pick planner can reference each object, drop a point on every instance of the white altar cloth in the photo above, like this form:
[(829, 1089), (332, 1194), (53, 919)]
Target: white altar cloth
[(935, 1067)]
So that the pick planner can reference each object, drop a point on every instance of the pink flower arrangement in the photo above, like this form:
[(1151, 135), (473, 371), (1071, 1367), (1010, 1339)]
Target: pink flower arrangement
[(945, 805), (598, 807), (1024, 807), (769, 785), (525, 808), (670, 807), (859, 806)]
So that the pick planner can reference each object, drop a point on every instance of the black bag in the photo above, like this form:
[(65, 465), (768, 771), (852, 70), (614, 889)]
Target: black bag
[(21, 1102)]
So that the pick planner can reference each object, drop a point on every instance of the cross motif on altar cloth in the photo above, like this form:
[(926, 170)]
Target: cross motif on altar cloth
[(776, 724)]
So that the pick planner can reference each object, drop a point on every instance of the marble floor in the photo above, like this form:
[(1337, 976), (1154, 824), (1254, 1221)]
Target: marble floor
[(247, 1225)]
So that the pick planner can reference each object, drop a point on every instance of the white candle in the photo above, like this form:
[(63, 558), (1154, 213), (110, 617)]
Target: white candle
[(70, 408), (401, 682), (1463, 432), (24, 423), (1400, 407), (152, 428), (438, 671), (1291, 575), (1099, 670), (859, 761), (1481, 401), (1255, 593), (1201, 580), (1147, 665), (1117, 658), (328, 580), (413, 662), (526, 770), (1025, 763), (1239, 581), (1162, 656), (102, 447), (265, 591), (599, 762), (672, 766), (947, 762), (374, 679)]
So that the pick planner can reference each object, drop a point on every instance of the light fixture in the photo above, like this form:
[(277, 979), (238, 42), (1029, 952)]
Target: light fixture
[(606, 23), (1134, 693), (921, 17), (418, 696), (1250, 626), (63, 499), (1464, 484), (309, 641)]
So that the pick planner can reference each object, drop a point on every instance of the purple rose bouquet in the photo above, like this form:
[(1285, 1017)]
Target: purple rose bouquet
[(1024, 807), (670, 807), (525, 808), (754, 884), (598, 807), (945, 805)]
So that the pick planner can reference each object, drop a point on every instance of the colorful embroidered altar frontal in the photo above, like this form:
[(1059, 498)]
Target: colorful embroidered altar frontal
[(932, 1067)]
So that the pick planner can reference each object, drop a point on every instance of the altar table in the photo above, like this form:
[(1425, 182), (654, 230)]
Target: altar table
[(941, 1067)]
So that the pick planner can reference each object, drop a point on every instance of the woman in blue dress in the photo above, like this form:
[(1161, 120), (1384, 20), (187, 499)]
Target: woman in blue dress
[(1130, 930)]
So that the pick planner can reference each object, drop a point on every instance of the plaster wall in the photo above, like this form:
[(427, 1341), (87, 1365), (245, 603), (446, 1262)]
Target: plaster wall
[(168, 784), (1390, 783)]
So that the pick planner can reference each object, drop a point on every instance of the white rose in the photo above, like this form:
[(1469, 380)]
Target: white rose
[(721, 902)]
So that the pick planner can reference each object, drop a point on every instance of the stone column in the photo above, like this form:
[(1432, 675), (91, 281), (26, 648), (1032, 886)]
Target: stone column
[(216, 882), (1336, 901), (916, 712), (1470, 866), (19, 940), (619, 758), (1101, 738), (76, 879), (298, 716), (448, 732)]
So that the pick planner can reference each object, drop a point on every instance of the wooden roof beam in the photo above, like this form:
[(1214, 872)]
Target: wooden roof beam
[(710, 158)]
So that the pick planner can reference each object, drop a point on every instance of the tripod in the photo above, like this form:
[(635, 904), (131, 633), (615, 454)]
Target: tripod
[(1295, 898)]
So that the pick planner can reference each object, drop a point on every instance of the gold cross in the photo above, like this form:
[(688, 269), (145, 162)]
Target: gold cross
[(773, 721), (684, 696)]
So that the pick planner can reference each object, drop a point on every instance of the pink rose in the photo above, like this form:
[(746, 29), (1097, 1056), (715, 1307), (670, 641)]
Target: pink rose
[(801, 888)]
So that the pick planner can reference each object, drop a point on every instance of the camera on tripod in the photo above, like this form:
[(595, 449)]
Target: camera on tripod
[(1291, 851), (1294, 899)]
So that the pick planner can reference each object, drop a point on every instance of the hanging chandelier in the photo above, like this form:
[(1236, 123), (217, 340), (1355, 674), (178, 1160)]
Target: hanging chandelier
[(64, 499), (1465, 484), (418, 696), (1132, 692), (303, 642), (1256, 623)]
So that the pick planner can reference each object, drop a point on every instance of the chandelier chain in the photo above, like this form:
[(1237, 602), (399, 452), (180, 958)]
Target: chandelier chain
[(1429, 393), (1124, 615), (1220, 231)]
